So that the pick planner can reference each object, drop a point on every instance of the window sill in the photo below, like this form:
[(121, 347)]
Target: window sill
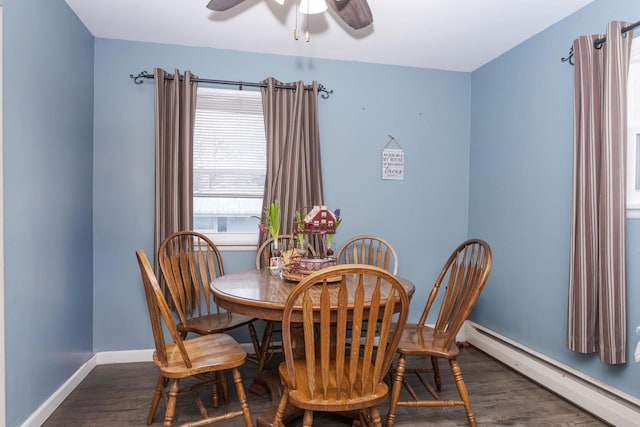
[(633, 212), (234, 241)]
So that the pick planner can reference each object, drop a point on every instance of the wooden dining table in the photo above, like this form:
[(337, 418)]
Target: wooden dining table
[(262, 295)]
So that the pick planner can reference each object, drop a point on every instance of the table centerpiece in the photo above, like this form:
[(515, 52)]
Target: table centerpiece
[(311, 221)]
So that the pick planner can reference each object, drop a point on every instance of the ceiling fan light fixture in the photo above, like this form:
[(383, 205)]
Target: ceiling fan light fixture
[(312, 7), (355, 13)]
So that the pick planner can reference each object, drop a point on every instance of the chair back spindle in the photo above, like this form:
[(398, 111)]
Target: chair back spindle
[(190, 261), (369, 249), (159, 311), (464, 275)]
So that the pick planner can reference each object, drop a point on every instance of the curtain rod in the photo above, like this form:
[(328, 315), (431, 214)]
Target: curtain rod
[(324, 92), (597, 43)]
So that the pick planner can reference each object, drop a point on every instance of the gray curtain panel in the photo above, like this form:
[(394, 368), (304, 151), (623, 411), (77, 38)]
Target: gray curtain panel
[(175, 106), (597, 283), (294, 167)]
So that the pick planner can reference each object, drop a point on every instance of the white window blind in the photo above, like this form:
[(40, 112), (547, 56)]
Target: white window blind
[(633, 132), (229, 162)]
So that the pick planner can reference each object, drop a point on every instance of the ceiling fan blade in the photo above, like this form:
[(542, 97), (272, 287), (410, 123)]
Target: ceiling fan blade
[(356, 13), (222, 5)]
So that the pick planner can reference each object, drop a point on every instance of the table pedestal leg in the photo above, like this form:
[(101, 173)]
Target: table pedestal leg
[(272, 383), (258, 387), (266, 381)]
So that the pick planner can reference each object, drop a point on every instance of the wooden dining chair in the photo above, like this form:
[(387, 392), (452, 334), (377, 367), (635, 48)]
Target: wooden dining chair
[(190, 261), (200, 357), (463, 275), (328, 374), (368, 249)]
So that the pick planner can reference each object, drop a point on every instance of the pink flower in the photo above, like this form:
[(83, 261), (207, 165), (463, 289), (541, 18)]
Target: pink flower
[(262, 228)]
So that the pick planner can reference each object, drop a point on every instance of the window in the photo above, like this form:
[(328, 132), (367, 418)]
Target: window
[(229, 165), (633, 132)]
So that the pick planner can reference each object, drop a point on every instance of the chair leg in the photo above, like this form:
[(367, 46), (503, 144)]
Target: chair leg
[(398, 375), (376, 419), (307, 420), (242, 397), (219, 379), (436, 372), (282, 407), (369, 417), (222, 378), (157, 394), (362, 420), (214, 389), (462, 390), (171, 403)]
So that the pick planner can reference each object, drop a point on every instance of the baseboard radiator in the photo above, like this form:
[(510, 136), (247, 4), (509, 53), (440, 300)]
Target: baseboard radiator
[(610, 405)]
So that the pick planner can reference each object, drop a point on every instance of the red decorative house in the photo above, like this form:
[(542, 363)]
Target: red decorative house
[(319, 220)]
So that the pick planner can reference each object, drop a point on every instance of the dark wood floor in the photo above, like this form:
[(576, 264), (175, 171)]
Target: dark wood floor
[(119, 395)]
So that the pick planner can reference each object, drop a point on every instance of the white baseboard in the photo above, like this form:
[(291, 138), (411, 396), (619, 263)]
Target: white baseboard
[(611, 405), (130, 356), (46, 409)]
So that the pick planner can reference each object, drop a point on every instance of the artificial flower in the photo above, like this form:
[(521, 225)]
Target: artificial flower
[(270, 221)]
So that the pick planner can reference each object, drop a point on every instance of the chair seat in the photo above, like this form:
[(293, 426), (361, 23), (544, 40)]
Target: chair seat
[(214, 323), (301, 397), (208, 353), (416, 341)]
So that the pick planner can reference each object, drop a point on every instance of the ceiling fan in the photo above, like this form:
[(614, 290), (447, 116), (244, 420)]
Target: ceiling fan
[(355, 13)]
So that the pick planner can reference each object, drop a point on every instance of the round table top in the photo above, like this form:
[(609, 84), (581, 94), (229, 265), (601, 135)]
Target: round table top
[(260, 294)]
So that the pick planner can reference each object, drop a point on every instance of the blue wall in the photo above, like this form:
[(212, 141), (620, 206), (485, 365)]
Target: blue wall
[(521, 185), (488, 154), (48, 126), (424, 216)]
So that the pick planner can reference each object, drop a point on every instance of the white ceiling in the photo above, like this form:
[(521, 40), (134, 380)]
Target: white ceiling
[(458, 35)]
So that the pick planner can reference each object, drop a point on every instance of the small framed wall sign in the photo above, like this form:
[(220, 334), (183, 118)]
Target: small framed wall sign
[(392, 161)]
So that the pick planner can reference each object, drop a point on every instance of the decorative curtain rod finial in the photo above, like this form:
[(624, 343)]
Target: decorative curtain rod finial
[(139, 78), (326, 93), (568, 57)]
